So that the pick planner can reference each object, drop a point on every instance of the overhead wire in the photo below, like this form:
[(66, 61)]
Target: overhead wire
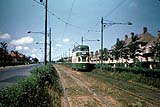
[(58, 17), (61, 19), (107, 15), (68, 17), (75, 26)]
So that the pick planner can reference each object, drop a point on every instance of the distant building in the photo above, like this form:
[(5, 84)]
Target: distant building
[(144, 51)]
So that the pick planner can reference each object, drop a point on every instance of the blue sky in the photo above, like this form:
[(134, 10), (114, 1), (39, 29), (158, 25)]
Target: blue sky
[(17, 17)]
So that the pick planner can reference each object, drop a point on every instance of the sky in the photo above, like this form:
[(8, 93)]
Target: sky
[(70, 20)]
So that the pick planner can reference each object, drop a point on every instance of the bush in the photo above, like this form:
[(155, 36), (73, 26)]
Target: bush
[(150, 77), (33, 91)]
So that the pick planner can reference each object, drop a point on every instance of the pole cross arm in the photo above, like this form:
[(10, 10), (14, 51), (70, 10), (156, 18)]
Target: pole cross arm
[(36, 32), (92, 40), (112, 23)]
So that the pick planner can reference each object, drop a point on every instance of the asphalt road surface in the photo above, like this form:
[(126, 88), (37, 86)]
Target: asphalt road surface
[(10, 75)]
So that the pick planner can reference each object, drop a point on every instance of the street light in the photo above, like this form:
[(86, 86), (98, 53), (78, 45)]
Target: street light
[(45, 45), (102, 26)]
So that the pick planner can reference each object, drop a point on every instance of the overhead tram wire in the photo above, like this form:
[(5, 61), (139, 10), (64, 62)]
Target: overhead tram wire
[(114, 9), (110, 13), (63, 21), (78, 27), (59, 18), (68, 17)]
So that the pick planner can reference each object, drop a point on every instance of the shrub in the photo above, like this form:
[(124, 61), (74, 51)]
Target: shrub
[(33, 91)]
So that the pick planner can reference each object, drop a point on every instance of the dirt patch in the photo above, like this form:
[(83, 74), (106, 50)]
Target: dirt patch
[(113, 101), (85, 101)]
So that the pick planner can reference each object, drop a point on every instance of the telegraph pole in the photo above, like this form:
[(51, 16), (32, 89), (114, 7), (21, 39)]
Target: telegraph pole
[(82, 40), (45, 56), (102, 41), (102, 26), (69, 52), (50, 45), (45, 43)]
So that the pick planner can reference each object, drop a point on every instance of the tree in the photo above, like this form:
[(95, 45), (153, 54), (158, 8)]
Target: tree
[(119, 46), (156, 48), (133, 46), (4, 47), (35, 60), (105, 54)]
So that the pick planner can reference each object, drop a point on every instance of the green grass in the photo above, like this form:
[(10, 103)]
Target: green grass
[(34, 90)]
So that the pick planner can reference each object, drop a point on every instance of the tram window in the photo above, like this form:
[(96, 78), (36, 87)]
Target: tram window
[(83, 59), (78, 53), (84, 49), (79, 59)]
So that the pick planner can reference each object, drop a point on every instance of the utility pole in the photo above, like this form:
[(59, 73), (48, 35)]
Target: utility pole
[(102, 41), (50, 45), (82, 40), (69, 52), (102, 26), (46, 32), (45, 43)]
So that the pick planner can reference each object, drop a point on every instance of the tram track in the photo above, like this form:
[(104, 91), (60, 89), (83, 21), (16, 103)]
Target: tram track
[(150, 100), (137, 95), (67, 104), (101, 88), (83, 85)]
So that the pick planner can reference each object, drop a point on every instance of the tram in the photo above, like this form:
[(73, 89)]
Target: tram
[(80, 57)]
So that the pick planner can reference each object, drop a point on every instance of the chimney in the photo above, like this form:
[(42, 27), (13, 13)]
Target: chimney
[(126, 37), (144, 30), (132, 34)]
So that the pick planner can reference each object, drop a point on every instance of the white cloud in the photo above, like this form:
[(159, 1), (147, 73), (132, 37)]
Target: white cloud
[(25, 48), (33, 56), (66, 40), (18, 48), (22, 41), (33, 50), (58, 45), (4, 36)]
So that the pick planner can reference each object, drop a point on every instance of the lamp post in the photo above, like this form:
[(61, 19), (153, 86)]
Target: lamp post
[(102, 26), (45, 49)]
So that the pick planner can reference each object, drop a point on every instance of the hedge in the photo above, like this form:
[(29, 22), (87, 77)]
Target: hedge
[(137, 70), (33, 91)]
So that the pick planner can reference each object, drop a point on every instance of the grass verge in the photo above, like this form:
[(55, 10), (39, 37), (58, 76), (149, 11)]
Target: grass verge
[(41, 89)]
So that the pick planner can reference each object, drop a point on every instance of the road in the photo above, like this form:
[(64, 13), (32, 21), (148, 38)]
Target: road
[(10, 75)]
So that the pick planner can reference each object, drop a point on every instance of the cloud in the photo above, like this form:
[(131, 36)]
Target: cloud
[(33, 50), (58, 45), (18, 48), (66, 40), (4, 36), (25, 48), (22, 41), (33, 56)]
